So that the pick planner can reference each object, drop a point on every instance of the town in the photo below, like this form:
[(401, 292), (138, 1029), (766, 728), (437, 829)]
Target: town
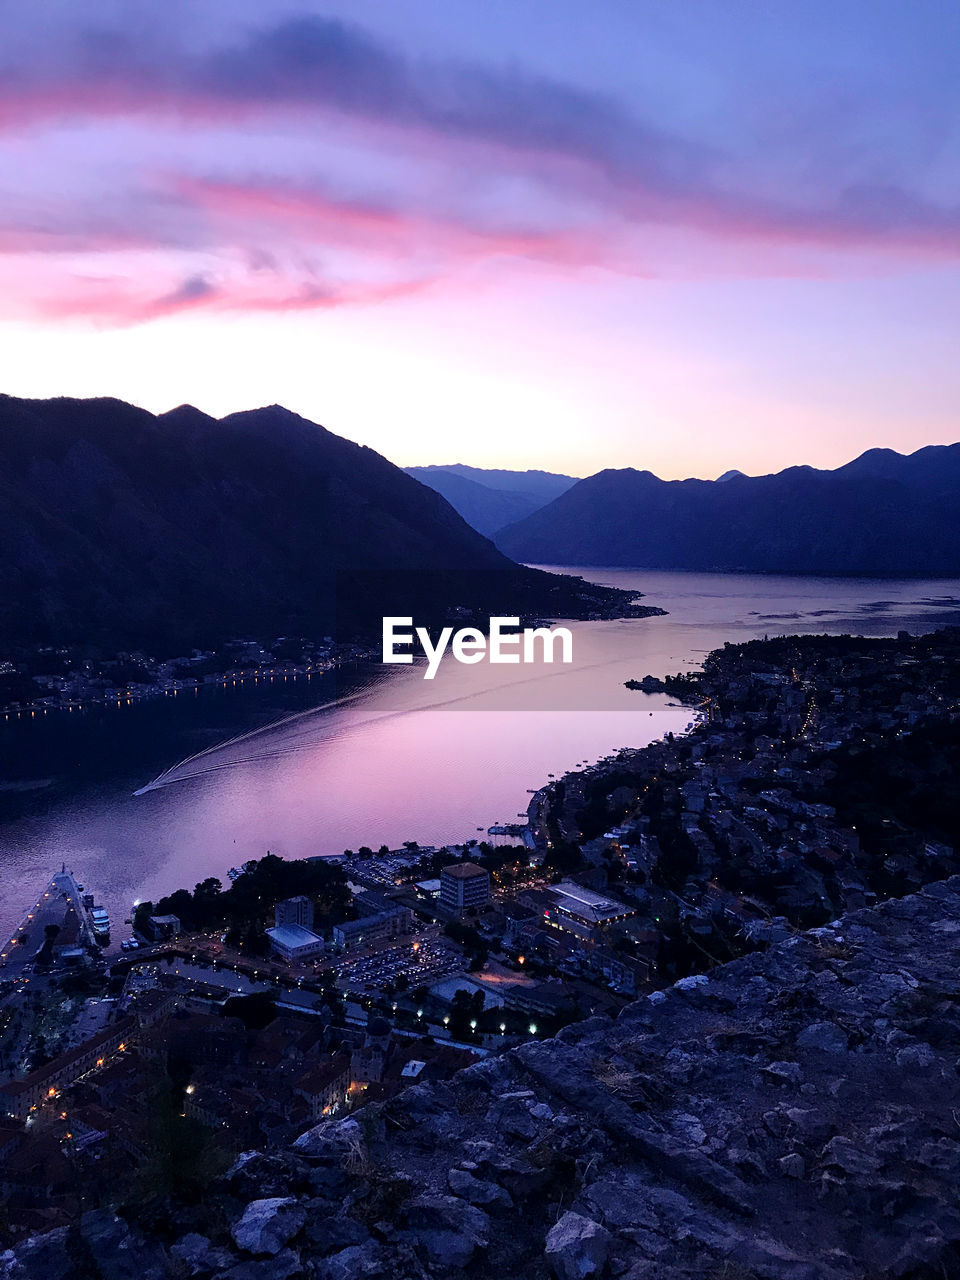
[(70, 678), (820, 777)]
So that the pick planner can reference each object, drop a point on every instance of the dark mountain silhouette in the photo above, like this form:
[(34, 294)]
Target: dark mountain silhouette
[(488, 500), (539, 484), (884, 514), (127, 529)]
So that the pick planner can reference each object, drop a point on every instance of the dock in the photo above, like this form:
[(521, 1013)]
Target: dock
[(60, 904)]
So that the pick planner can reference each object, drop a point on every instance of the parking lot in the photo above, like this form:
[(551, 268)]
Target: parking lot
[(421, 961)]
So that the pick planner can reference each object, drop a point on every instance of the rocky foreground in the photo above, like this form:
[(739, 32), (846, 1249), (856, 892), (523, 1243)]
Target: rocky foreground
[(793, 1114)]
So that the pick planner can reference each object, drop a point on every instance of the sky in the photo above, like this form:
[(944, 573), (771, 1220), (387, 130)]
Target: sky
[(681, 235)]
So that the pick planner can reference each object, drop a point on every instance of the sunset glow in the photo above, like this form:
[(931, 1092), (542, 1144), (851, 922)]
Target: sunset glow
[(675, 237)]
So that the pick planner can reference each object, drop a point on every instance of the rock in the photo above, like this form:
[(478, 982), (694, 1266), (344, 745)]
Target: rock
[(328, 1181), (689, 1128), (826, 1037), (691, 983), (269, 1173), (511, 1117), (916, 1057), (842, 1154), (624, 1202), (267, 1225), (577, 1248), (792, 1165), (285, 1266), (200, 1258), (332, 1140), (775, 1123), (118, 1252), (45, 1257), (352, 1263), (447, 1229), (477, 1190), (326, 1233), (787, 1072), (520, 1178), (811, 1125)]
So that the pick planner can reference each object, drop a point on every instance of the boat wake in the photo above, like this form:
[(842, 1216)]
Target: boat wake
[(203, 762)]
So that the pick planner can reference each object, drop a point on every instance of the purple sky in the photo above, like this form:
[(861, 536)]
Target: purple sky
[(685, 235)]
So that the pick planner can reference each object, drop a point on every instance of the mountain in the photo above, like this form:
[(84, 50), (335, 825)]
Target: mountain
[(488, 500), (539, 484), (123, 528), (884, 514)]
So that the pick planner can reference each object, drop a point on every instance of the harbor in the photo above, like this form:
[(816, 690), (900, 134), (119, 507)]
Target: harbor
[(58, 929)]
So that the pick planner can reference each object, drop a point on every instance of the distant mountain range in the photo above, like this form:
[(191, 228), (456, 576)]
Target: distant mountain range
[(126, 529), (884, 514), (488, 500)]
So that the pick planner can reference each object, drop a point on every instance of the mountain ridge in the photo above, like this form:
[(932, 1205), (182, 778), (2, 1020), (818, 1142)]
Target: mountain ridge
[(883, 515), (127, 528), (490, 499)]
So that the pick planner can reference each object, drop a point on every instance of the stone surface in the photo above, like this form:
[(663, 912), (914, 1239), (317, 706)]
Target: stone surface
[(199, 1256), (577, 1248), (266, 1225)]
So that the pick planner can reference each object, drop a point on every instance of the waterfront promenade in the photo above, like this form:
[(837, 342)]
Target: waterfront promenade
[(61, 904)]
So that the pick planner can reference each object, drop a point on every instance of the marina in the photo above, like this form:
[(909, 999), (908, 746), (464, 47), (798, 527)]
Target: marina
[(60, 928)]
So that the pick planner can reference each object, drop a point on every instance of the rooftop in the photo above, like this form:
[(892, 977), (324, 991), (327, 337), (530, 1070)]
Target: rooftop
[(585, 903), (292, 935), (464, 871)]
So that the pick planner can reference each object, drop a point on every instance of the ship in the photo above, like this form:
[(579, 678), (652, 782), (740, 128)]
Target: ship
[(101, 924)]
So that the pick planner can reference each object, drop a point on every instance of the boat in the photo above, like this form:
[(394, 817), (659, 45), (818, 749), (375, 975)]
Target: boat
[(101, 924)]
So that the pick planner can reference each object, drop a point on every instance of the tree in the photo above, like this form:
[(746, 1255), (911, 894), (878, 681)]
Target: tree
[(182, 1156), (466, 1007), (256, 1010), (141, 914)]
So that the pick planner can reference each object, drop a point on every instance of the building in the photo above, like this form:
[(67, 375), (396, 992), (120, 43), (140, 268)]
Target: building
[(295, 944), (325, 1087), (570, 907), (369, 1059), (160, 928), (298, 911), (464, 886), (19, 1097), (353, 934)]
